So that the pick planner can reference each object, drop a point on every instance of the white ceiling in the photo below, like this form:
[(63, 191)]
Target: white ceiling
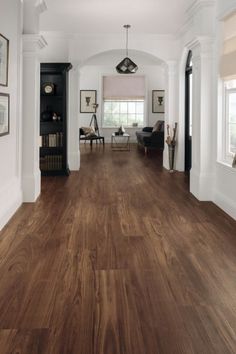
[(108, 16)]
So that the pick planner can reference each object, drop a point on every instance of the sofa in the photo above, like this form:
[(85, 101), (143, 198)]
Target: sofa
[(151, 137)]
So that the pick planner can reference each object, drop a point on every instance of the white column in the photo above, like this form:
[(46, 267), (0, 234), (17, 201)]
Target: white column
[(31, 176), (201, 175), (171, 104), (73, 120), (32, 11)]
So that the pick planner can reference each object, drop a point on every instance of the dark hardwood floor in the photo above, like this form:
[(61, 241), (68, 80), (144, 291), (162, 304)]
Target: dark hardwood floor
[(118, 259)]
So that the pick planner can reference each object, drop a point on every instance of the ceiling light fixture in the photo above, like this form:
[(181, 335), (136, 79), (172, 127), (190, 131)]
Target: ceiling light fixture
[(126, 66)]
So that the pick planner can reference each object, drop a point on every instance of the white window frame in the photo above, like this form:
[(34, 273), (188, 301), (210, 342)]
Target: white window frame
[(227, 155), (124, 100)]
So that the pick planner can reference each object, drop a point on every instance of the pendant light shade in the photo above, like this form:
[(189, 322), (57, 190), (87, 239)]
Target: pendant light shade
[(126, 66)]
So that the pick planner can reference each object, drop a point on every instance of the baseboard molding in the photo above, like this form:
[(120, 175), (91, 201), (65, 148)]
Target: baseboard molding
[(201, 185), (31, 187), (11, 200), (225, 203), (74, 161)]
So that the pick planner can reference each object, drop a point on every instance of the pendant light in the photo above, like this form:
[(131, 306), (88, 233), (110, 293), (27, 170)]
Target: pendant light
[(126, 66)]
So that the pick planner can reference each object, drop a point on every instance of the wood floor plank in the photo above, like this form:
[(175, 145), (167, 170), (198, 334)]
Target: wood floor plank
[(118, 258)]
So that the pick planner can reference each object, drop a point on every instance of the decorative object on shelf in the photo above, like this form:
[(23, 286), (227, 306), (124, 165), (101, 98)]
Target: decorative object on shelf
[(48, 88), (158, 101), (234, 162), (126, 66), (4, 59), (46, 116), (88, 101), (54, 117), (4, 113), (171, 142)]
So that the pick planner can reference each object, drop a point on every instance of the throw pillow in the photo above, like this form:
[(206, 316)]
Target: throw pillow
[(158, 126), (88, 131)]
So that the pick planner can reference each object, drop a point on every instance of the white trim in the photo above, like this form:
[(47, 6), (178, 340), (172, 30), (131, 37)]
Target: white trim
[(41, 6), (11, 200), (231, 9), (225, 203), (227, 156), (33, 42), (198, 5), (125, 100), (226, 166)]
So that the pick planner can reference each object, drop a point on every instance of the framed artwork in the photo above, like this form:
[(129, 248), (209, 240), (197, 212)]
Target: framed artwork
[(158, 101), (4, 113), (88, 101), (4, 58)]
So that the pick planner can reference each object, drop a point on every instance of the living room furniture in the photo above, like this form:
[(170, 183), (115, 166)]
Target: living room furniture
[(94, 136), (151, 139), (53, 118), (120, 142)]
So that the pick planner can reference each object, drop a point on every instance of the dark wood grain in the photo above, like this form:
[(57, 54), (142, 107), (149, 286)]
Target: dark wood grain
[(118, 259)]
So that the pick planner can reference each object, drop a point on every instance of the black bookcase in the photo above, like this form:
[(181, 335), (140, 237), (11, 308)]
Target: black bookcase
[(53, 118)]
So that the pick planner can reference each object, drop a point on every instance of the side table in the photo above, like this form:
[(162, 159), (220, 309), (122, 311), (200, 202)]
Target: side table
[(120, 142)]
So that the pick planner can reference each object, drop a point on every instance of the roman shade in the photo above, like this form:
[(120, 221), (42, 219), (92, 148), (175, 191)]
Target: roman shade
[(228, 60), (123, 87)]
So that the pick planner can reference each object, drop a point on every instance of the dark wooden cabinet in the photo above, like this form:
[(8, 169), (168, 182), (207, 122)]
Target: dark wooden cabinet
[(53, 118)]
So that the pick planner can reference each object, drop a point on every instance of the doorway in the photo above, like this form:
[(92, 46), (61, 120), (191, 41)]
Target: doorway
[(188, 112)]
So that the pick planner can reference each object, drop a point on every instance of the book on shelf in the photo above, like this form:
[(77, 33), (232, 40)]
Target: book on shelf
[(51, 162), (52, 140)]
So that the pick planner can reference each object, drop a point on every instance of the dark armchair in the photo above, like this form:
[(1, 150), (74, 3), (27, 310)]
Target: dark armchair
[(151, 137)]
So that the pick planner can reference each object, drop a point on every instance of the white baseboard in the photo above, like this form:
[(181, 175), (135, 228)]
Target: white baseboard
[(31, 187), (74, 161), (10, 200), (225, 203), (201, 185)]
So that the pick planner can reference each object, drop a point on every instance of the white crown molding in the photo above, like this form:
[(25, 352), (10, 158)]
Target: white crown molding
[(202, 46), (66, 35), (198, 5), (33, 42), (191, 12), (227, 13), (41, 6)]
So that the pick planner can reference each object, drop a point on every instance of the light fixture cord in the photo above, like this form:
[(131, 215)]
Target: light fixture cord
[(127, 39)]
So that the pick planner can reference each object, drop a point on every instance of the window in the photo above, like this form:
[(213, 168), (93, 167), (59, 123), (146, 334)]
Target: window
[(123, 112), (230, 119), (123, 101)]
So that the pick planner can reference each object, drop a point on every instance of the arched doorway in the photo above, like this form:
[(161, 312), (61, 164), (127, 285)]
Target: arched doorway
[(188, 112)]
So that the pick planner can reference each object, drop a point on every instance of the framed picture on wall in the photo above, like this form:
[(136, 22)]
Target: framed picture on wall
[(4, 58), (88, 101), (4, 113), (158, 101)]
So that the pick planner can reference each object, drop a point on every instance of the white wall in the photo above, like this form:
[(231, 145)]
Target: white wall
[(57, 49), (91, 79), (10, 145)]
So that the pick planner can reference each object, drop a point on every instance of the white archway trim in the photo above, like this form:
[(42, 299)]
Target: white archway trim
[(202, 172)]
